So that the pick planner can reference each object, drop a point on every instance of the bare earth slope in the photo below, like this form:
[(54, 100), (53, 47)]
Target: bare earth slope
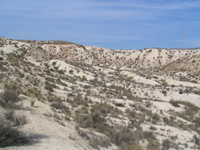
[(118, 58), (190, 65), (62, 95)]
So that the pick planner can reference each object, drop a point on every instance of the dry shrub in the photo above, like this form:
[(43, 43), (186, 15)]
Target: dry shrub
[(16, 118), (10, 136), (95, 141)]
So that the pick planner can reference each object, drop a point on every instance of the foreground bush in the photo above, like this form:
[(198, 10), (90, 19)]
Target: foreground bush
[(10, 136), (16, 118), (9, 98)]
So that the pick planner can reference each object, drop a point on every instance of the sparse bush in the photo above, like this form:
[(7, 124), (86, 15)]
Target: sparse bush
[(119, 104), (92, 120), (184, 79), (155, 117), (10, 136), (33, 92), (32, 103), (54, 99), (180, 91), (166, 144), (197, 92), (164, 92), (126, 138), (122, 135), (54, 63), (62, 107), (58, 81), (149, 135), (193, 61), (71, 71), (152, 128), (174, 103), (77, 100), (50, 79), (194, 81), (16, 118), (83, 78), (10, 96), (190, 111), (95, 142), (148, 104), (196, 139), (153, 145), (131, 113), (61, 71), (163, 82), (166, 120), (49, 86), (134, 146), (105, 109)]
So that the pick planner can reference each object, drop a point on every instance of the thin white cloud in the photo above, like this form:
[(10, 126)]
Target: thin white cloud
[(99, 9), (194, 42)]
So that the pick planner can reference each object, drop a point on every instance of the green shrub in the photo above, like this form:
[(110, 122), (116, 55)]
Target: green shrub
[(10, 95), (134, 146), (153, 145), (152, 128), (194, 81), (49, 86), (122, 135), (95, 142), (166, 120), (196, 139), (33, 92), (149, 135), (166, 144), (71, 71), (54, 98), (61, 71), (77, 100), (62, 107), (92, 120), (163, 82), (119, 104), (105, 109), (9, 98), (156, 117), (175, 103), (190, 111), (197, 92), (184, 79), (50, 79)]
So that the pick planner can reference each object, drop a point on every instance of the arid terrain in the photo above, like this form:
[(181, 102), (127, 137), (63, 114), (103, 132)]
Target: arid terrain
[(57, 95)]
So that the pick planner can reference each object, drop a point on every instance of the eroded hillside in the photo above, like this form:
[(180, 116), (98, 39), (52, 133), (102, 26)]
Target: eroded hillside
[(68, 96)]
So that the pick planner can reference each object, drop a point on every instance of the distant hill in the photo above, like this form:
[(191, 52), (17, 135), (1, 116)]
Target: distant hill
[(57, 95)]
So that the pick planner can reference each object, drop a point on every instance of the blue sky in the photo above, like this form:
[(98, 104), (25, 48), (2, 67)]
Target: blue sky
[(116, 24)]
